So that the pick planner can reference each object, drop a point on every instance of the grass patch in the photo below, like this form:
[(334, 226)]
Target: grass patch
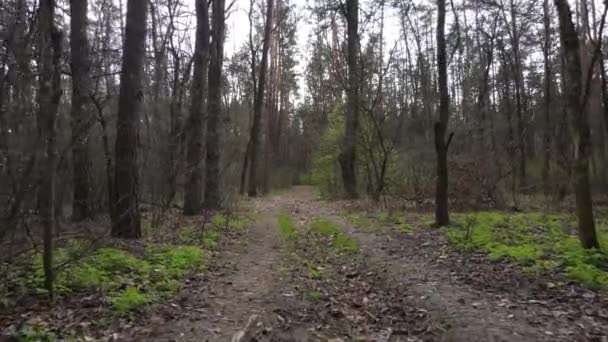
[(313, 296), (130, 301), (35, 334), (398, 220), (341, 242), (128, 281), (537, 242), (287, 228)]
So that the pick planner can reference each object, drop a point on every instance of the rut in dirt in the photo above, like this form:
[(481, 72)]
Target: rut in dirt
[(237, 289)]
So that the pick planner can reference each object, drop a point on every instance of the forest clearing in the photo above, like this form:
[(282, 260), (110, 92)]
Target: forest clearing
[(292, 170)]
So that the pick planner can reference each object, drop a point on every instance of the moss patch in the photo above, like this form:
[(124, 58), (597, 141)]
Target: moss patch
[(538, 242), (340, 241), (287, 228)]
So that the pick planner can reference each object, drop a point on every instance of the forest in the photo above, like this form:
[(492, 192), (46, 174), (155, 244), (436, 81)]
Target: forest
[(295, 170)]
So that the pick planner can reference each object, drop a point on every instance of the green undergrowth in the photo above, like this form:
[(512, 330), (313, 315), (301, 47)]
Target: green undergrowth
[(287, 228), (128, 279), (129, 282), (537, 242), (340, 241), (379, 220)]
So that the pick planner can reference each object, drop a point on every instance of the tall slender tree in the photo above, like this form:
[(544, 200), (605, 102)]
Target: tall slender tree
[(576, 110), (49, 96), (126, 178), (81, 118), (193, 192), (442, 216), (348, 155), (258, 103), (213, 177)]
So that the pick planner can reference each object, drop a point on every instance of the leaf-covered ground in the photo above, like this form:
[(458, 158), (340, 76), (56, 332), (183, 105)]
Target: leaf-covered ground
[(312, 270)]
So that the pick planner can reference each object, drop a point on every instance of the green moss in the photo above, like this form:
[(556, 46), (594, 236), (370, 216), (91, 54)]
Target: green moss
[(588, 275), (536, 241), (405, 228), (234, 222), (35, 334), (312, 296), (341, 242), (130, 301), (287, 228), (157, 273)]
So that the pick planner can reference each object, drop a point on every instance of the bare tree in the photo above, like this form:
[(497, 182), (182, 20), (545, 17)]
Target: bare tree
[(49, 96), (348, 156), (576, 110), (193, 199), (258, 102), (127, 221), (213, 176), (81, 110), (442, 216)]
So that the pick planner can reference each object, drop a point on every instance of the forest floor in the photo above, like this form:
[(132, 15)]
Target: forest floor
[(304, 271), (286, 281)]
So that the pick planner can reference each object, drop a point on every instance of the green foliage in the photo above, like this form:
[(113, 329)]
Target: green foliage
[(536, 241), (131, 300), (287, 228), (405, 228), (312, 296), (35, 334), (314, 272), (234, 222), (378, 220), (325, 173), (130, 281), (341, 242)]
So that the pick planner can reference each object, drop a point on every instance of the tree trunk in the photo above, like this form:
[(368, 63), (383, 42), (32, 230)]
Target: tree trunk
[(81, 111), (48, 101), (213, 176), (547, 132), (578, 114), (348, 155), (126, 177), (193, 195), (442, 216), (257, 106)]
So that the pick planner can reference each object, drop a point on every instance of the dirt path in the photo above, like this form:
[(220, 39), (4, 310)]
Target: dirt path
[(397, 288), (502, 305), (237, 289)]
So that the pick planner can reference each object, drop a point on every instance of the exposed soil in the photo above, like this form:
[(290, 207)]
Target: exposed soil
[(398, 287)]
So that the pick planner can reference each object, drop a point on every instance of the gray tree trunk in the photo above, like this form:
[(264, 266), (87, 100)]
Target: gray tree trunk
[(194, 130), (258, 103), (126, 176), (576, 111), (81, 114), (213, 176), (348, 155)]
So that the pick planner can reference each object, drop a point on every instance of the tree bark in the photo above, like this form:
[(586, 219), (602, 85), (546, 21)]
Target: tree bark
[(547, 132), (49, 97), (257, 105), (193, 195), (348, 155), (577, 112), (213, 176), (442, 216), (81, 111), (126, 177)]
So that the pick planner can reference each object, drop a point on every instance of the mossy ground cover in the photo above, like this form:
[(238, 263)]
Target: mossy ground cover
[(377, 221), (340, 241), (127, 280), (537, 242)]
